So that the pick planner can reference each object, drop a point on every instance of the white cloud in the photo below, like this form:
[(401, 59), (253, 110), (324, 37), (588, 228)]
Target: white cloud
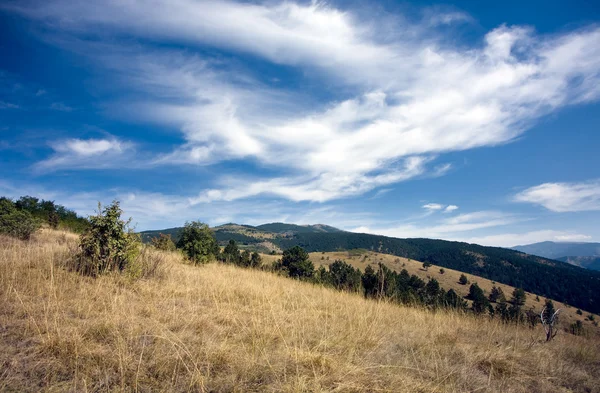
[(447, 228), (85, 153), (407, 96), (573, 238), (564, 197), (450, 208), (432, 206)]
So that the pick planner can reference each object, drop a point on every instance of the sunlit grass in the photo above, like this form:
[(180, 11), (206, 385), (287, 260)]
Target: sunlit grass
[(221, 328)]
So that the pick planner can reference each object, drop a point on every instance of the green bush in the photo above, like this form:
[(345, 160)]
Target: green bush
[(163, 242), (15, 222), (108, 244), (198, 242)]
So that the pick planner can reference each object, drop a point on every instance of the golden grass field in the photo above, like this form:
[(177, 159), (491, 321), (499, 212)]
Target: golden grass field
[(448, 280), (219, 328)]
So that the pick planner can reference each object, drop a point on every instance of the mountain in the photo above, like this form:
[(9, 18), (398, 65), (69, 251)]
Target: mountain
[(279, 227), (556, 250), (585, 255), (550, 278), (590, 262)]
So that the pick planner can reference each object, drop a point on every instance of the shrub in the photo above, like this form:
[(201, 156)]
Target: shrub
[(198, 242), (163, 242), (255, 260), (15, 222), (108, 244), (579, 312), (442, 271), (463, 280), (577, 328)]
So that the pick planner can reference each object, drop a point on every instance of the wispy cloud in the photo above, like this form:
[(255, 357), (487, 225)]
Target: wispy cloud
[(446, 228), (433, 206), (406, 98), (8, 105), (564, 197), (450, 208), (86, 153)]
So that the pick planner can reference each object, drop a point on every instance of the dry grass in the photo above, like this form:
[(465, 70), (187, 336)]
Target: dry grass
[(218, 328), (448, 280)]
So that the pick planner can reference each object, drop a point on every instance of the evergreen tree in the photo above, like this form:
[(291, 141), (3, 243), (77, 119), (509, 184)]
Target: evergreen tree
[(231, 253), (297, 263), (480, 302), (369, 282), (496, 295), (463, 280)]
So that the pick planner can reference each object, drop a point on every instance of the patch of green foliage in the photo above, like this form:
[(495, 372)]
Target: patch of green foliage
[(108, 244), (16, 222), (56, 216), (198, 242)]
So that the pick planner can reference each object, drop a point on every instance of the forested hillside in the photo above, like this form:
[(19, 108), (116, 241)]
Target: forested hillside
[(550, 278)]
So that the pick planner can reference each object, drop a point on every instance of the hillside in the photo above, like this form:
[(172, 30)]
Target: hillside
[(448, 280), (549, 278), (221, 328)]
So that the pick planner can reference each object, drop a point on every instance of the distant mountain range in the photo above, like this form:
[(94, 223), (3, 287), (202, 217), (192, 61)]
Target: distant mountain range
[(586, 255), (548, 277)]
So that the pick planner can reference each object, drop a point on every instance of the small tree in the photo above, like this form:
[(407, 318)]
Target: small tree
[(15, 222), (255, 260), (480, 302), (442, 271), (426, 266), (518, 297), (108, 244), (231, 253), (297, 263), (245, 258), (198, 242), (532, 318), (163, 242), (579, 312), (463, 280), (497, 295)]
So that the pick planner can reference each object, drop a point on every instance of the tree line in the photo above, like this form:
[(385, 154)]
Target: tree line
[(24, 216)]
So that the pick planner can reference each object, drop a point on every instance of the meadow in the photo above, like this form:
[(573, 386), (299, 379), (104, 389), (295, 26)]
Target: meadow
[(222, 328)]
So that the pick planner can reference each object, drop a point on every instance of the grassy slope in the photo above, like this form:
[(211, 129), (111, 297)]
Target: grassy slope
[(221, 328), (448, 280)]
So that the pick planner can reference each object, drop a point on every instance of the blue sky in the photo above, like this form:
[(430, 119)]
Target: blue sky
[(461, 121)]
